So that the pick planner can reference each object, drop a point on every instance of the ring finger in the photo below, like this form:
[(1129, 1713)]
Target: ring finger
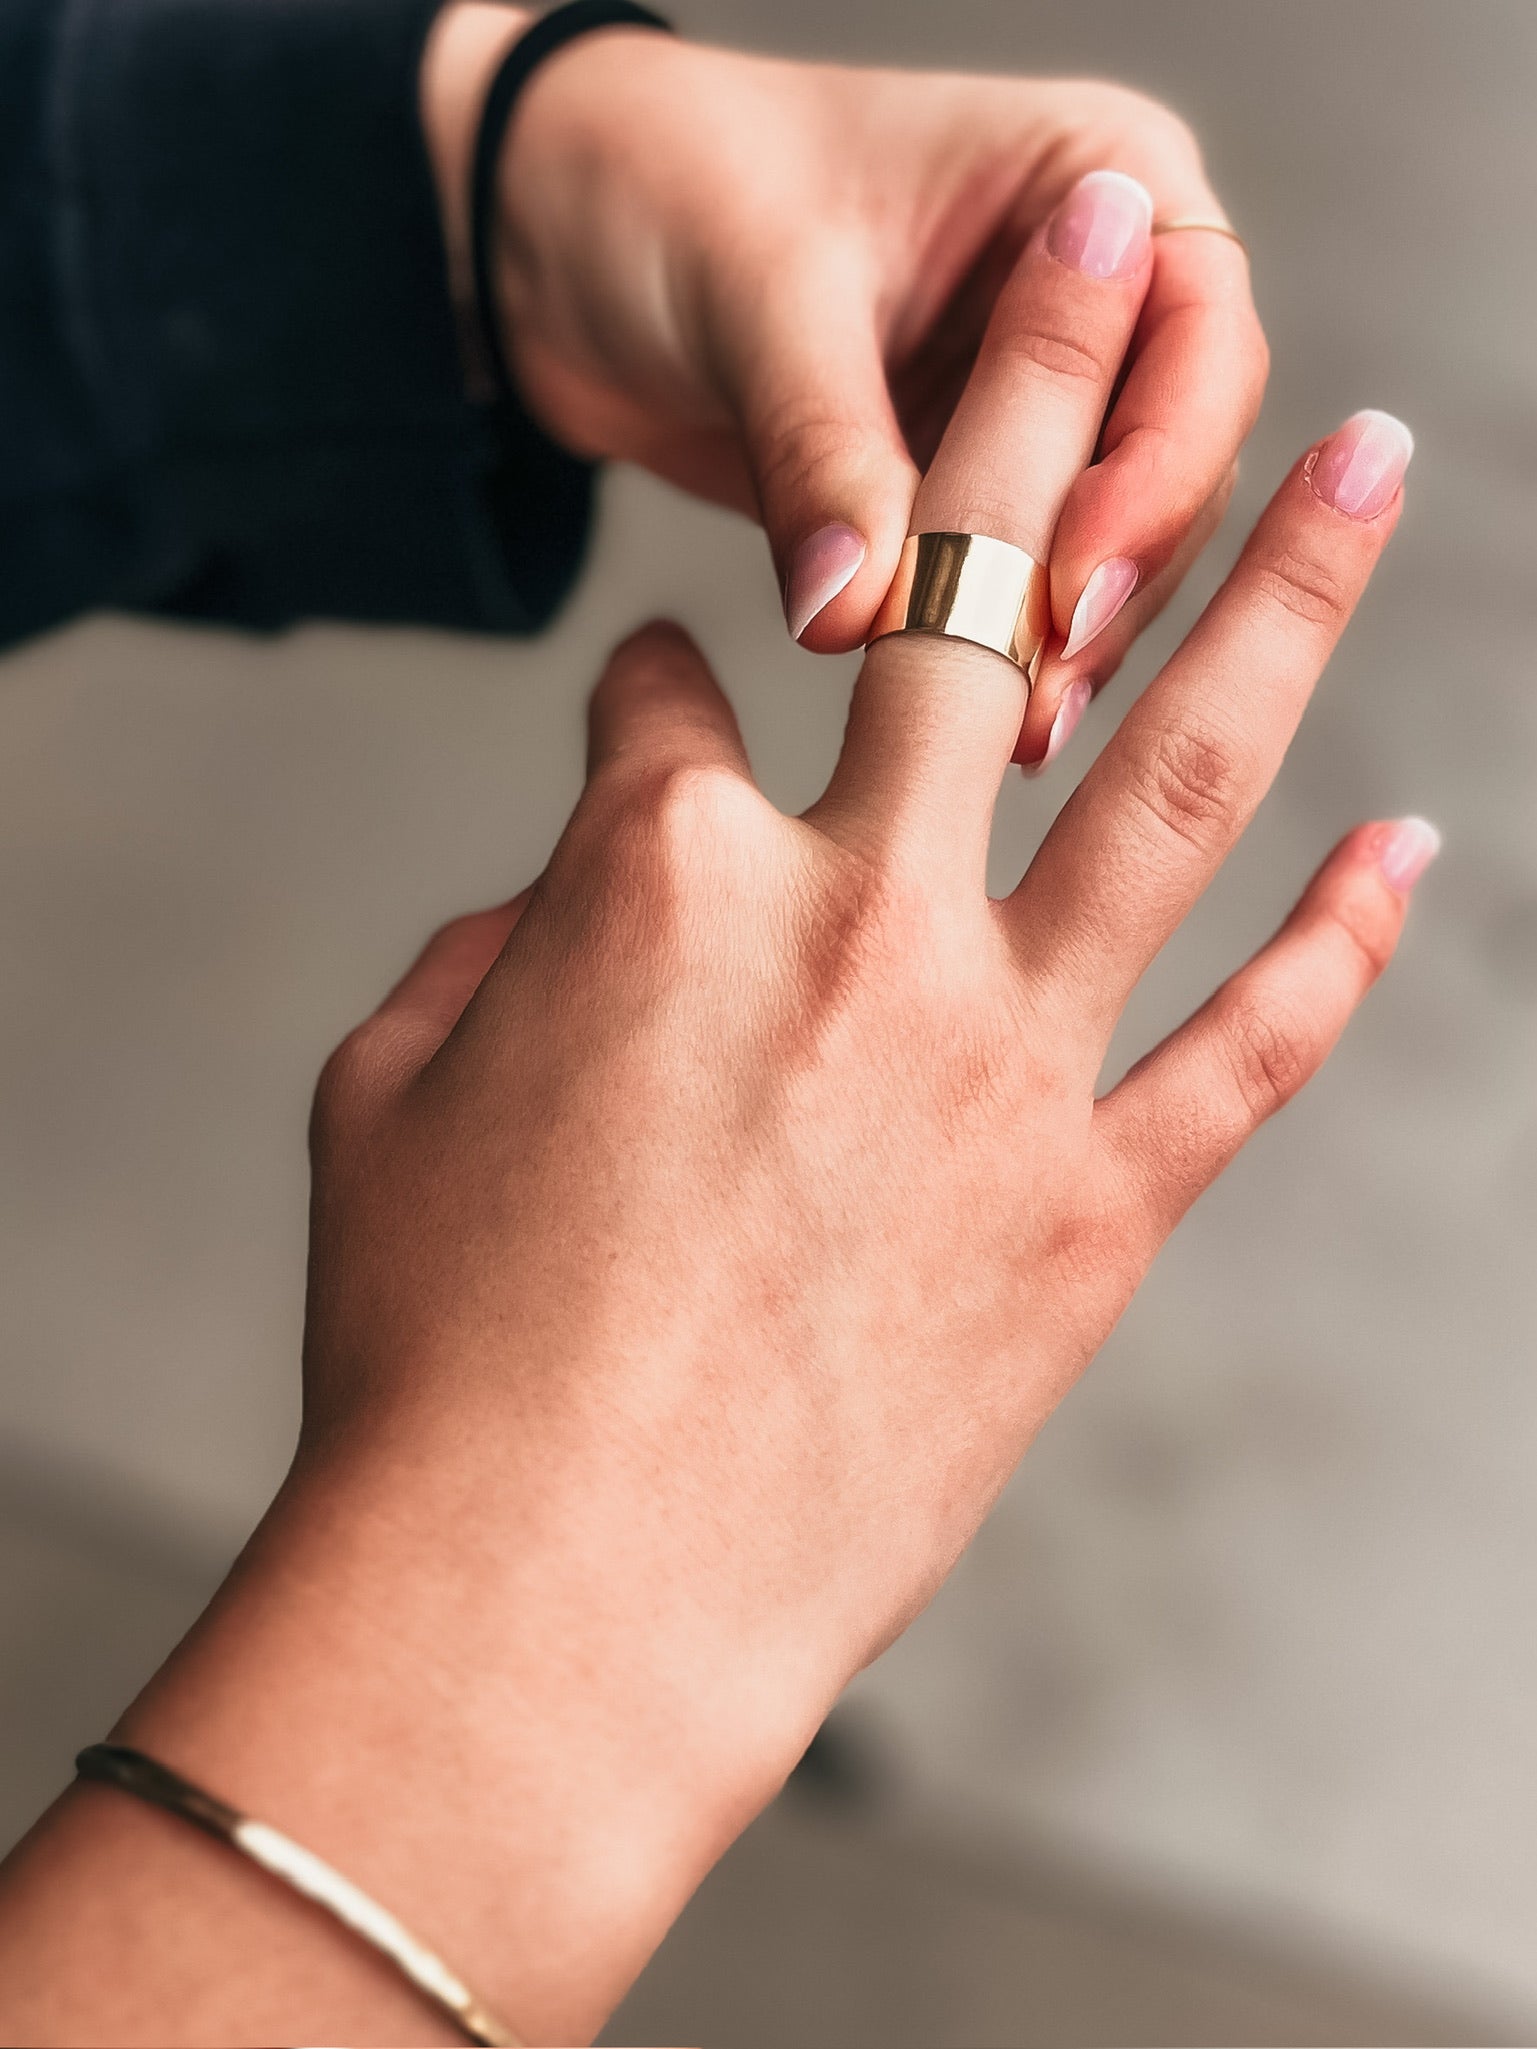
[(1064, 688), (1031, 412), (1025, 427)]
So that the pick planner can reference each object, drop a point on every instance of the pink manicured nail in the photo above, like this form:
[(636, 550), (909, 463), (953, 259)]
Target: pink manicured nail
[(1408, 849), (824, 565), (1361, 465), (1103, 596), (1103, 225), (1069, 716)]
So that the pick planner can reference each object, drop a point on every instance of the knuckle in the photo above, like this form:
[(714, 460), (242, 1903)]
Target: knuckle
[(675, 824), (1057, 354), (1170, 134), (1190, 783), (347, 1087), (1151, 125), (1086, 1243), (794, 441), (1304, 587), (1368, 934), (1177, 132), (1257, 355), (691, 803), (1268, 1058)]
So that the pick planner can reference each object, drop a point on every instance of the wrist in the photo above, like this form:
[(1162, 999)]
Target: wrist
[(497, 1730), (467, 42)]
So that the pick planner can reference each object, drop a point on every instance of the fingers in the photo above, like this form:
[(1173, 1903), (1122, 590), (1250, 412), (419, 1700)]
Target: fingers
[(430, 997), (929, 732), (933, 722), (833, 474), (1192, 393), (1031, 412), (374, 1063), (1156, 815), (1181, 1114), (1066, 684), (657, 706)]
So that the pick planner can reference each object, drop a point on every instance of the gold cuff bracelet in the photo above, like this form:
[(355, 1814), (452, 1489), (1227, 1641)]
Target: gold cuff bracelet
[(970, 587), (111, 1764)]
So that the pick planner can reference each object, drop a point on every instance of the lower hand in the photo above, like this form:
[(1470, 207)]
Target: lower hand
[(698, 1241), (729, 1210)]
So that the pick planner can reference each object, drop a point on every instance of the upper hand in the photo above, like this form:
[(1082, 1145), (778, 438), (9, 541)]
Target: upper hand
[(769, 282)]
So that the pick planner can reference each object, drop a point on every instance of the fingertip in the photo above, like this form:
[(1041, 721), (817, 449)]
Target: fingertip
[(1107, 588), (659, 648), (1066, 719), (831, 602), (1403, 848), (821, 569), (1365, 885), (654, 636), (1359, 469), (1057, 703)]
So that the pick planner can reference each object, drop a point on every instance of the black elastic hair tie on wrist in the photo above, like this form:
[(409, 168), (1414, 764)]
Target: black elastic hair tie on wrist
[(547, 35)]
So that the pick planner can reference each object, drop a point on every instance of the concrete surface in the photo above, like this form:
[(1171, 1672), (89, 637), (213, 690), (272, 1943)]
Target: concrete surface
[(1249, 1641)]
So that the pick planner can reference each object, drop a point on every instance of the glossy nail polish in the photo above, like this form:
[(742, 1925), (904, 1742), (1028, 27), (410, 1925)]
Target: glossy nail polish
[(1103, 225), (1103, 596), (824, 564), (1069, 717), (1407, 849), (1359, 469)]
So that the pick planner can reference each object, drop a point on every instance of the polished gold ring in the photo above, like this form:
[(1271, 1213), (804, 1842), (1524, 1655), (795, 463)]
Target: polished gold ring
[(970, 587), (1192, 224)]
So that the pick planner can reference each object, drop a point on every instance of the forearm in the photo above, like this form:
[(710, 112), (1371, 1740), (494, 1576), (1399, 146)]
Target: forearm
[(230, 376), (508, 1739)]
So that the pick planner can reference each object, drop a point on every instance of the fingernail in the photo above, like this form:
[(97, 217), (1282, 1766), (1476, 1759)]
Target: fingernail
[(824, 565), (1069, 716), (1103, 225), (1103, 596), (1361, 465), (1407, 850)]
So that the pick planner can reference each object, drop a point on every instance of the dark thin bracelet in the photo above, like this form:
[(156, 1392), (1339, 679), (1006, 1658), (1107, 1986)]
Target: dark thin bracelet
[(547, 35), (112, 1764)]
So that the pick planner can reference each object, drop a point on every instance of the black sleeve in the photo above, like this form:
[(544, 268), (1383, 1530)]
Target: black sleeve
[(229, 378)]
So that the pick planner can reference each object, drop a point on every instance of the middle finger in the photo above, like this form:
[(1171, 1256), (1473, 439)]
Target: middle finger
[(1028, 419)]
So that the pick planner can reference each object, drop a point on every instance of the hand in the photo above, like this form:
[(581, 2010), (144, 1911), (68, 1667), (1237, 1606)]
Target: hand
[(769, 282), (698, 1241), (764, 1152)]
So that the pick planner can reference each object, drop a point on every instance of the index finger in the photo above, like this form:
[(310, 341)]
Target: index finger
[(1198, 364)]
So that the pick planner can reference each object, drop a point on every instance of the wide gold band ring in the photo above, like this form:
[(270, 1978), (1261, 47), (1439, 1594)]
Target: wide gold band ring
[(970, 587)]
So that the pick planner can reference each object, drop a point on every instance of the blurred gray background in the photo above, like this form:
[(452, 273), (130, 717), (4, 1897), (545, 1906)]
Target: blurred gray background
[(1224, 1731)]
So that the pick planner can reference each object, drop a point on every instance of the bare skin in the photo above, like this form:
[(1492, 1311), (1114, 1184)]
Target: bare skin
[(769, 283), (699, 1240)]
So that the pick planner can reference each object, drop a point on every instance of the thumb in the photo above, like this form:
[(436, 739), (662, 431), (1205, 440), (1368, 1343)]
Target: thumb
[(834, 478), (431, 996)]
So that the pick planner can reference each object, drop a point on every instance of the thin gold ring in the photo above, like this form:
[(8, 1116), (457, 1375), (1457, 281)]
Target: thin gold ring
[(1192, 224), (970, 587)]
